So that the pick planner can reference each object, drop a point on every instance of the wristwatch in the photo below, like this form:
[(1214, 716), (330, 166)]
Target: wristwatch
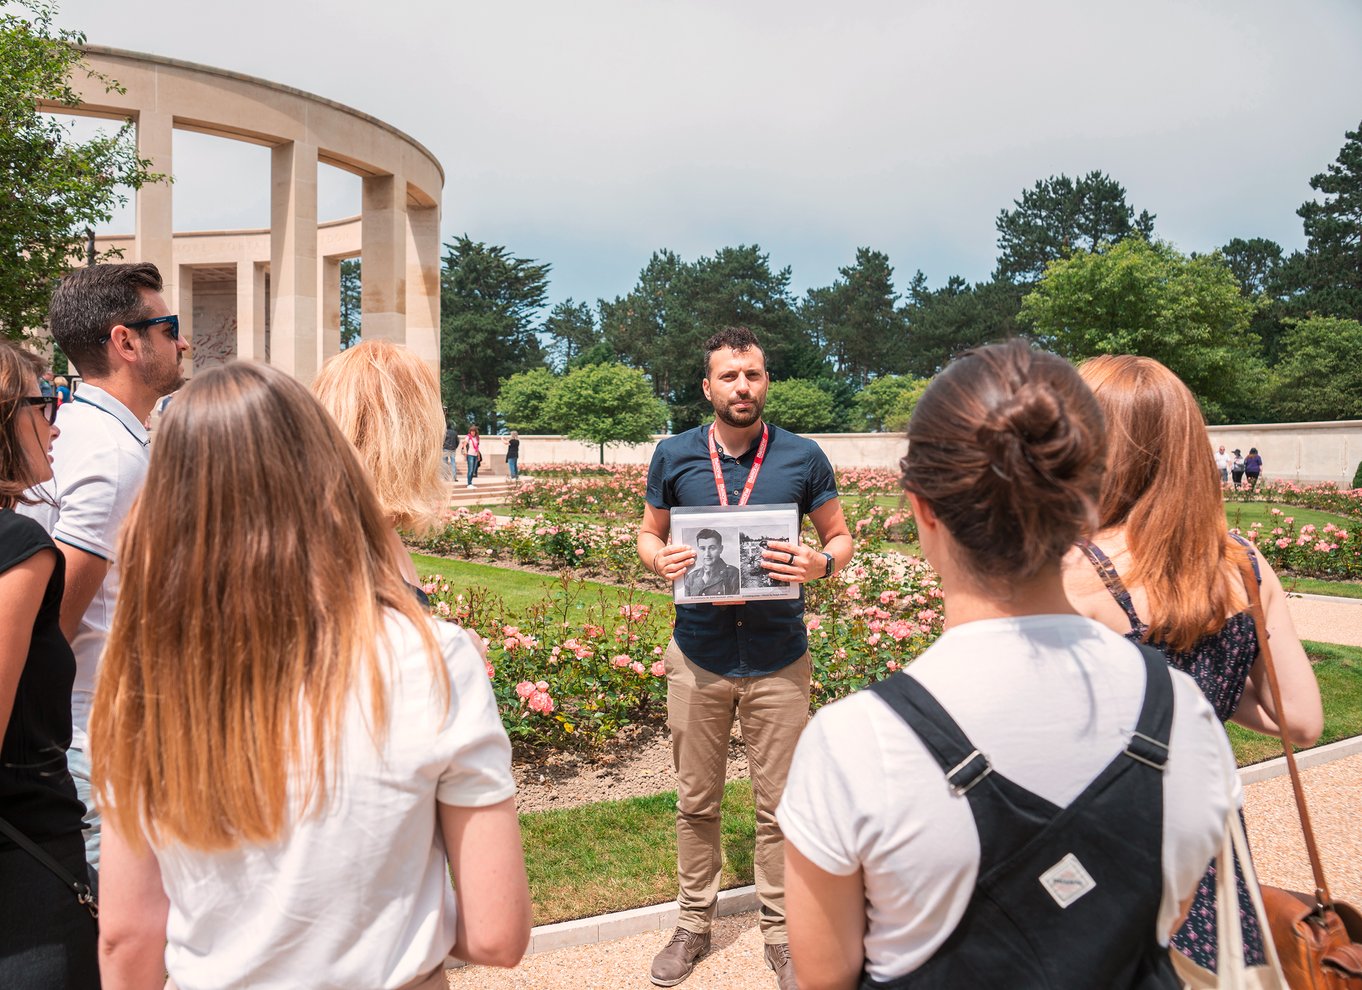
[(828, 573)]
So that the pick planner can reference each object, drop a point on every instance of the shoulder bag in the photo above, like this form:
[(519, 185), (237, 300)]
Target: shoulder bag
[(1316, 937), (80, 888)]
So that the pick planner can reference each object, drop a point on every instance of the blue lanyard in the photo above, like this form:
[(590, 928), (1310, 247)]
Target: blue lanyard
[(107, 412)]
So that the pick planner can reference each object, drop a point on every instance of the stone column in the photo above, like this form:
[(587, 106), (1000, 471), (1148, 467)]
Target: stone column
[(383, 258), (155, 240), (185, 294), (423, 283), (250, 311), (293, 260), (330, 310)]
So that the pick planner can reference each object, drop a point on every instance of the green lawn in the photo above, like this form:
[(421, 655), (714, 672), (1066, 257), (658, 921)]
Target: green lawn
[(1339, 672), (518, 589), (622, 854), (1245, 514), (1317, 586)]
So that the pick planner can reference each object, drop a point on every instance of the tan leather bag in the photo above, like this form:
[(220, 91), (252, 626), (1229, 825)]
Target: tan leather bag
[(1317, 938)]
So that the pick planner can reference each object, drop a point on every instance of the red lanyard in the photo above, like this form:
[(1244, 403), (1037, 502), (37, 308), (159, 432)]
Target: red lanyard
[(751, 475)]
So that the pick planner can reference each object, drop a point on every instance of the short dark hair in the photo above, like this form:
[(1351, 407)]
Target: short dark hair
[(735, 338), (709, 534), (89, 302)]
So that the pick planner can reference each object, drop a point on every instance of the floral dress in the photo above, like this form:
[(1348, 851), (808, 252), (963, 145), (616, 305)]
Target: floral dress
[(1220, 664)]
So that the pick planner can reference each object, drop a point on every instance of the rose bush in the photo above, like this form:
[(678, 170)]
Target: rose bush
[(1325, 497), (1330, 552)]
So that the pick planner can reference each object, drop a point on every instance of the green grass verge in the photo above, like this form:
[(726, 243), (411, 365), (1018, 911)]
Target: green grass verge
[(1245, 514), (616, 855), (1318, 586), (518, 589), (1339, 672)]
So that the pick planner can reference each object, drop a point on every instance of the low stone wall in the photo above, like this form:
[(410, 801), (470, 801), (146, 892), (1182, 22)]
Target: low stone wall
[(1304, 452)]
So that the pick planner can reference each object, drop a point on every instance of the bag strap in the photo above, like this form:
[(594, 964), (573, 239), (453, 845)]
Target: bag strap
[(81, 889), (1323, 899)]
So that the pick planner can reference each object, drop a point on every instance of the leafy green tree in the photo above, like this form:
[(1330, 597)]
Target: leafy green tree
[(887, 403), (350, 302), (1135, 297), (605, 403), (488, 299), (1257, 264), (857, 319), (573, 328), (800, 406), (1326, 278), (943, 322), (1059, 216), (662, 324), (1254, 262), (522, 398), (52, 187), (1320, 374)]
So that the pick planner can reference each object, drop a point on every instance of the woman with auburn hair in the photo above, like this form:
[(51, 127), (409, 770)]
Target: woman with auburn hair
[(286, 747), (386, 401), (47, 936), (915, 860), (1162, 569)]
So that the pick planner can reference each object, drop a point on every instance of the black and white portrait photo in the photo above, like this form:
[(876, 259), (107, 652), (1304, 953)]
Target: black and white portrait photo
[(728, 543)]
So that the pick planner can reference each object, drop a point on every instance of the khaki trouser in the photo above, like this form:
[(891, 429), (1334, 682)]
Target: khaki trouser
[(772, 710)]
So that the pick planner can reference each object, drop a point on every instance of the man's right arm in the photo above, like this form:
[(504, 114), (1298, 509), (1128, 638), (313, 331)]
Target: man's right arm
[(85, 572)]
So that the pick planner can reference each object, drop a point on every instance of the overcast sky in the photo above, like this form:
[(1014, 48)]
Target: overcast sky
[(589, 133)]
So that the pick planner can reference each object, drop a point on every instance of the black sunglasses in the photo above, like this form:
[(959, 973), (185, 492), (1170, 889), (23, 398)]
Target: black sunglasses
[(49, 404), (171, 323)]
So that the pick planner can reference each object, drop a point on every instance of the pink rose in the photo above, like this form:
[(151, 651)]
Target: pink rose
[(814, 623), (541, 702), (659, 669), (524, 689)]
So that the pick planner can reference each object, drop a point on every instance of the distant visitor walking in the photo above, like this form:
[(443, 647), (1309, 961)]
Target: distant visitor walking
[(513, 455)]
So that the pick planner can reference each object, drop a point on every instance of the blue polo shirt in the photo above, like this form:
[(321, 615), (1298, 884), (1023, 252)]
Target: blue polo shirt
[(758, 637)]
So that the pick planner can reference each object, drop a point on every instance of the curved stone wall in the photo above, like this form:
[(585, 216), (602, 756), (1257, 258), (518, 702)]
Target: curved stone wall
[(285, 280)]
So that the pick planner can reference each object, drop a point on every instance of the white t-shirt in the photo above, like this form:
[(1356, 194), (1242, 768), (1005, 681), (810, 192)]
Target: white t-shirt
[(99, 462), (1049, 699), (359, 896), (1223, 461)]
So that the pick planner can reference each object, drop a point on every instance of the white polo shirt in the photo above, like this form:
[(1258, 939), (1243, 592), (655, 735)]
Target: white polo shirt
[(98, 465)]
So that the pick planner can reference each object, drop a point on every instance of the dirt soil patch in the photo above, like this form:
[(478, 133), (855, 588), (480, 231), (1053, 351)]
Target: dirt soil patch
[(636, 763)]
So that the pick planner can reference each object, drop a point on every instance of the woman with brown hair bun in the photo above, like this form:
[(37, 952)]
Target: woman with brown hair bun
[(291, 755), (47, 937), (1161, 569), (988, 817)]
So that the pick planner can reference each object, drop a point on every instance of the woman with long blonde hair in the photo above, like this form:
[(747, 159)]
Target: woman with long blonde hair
[(286, 747), (1162, 569), (386, 401)]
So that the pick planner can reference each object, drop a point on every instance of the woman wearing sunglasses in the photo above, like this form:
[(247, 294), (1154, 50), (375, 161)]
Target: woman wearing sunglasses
[(47, 937)]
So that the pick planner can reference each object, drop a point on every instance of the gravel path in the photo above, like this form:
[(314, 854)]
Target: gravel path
[(1337, 621)]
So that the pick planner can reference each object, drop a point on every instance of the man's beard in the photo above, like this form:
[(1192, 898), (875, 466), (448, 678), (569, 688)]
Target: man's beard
[(726, 414)]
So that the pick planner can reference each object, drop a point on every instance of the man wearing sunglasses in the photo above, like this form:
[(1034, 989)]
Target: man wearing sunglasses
[(113, 324)]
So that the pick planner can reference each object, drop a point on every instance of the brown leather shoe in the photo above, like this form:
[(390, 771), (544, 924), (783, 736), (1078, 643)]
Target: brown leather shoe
[(674, 963), (778, 958)]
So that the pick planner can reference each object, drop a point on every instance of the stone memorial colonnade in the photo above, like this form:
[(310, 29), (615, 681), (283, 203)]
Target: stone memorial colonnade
[(287, 278)]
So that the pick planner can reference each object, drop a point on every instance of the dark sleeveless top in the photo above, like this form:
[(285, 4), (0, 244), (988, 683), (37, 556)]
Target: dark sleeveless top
[(1220, 664), (37, 795)]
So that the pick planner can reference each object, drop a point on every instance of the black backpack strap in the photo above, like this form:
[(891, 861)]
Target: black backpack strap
[(1149, 743), (79, 888), (959, 759)]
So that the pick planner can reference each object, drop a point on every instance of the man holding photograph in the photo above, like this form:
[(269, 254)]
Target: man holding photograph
[(750, 658)]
